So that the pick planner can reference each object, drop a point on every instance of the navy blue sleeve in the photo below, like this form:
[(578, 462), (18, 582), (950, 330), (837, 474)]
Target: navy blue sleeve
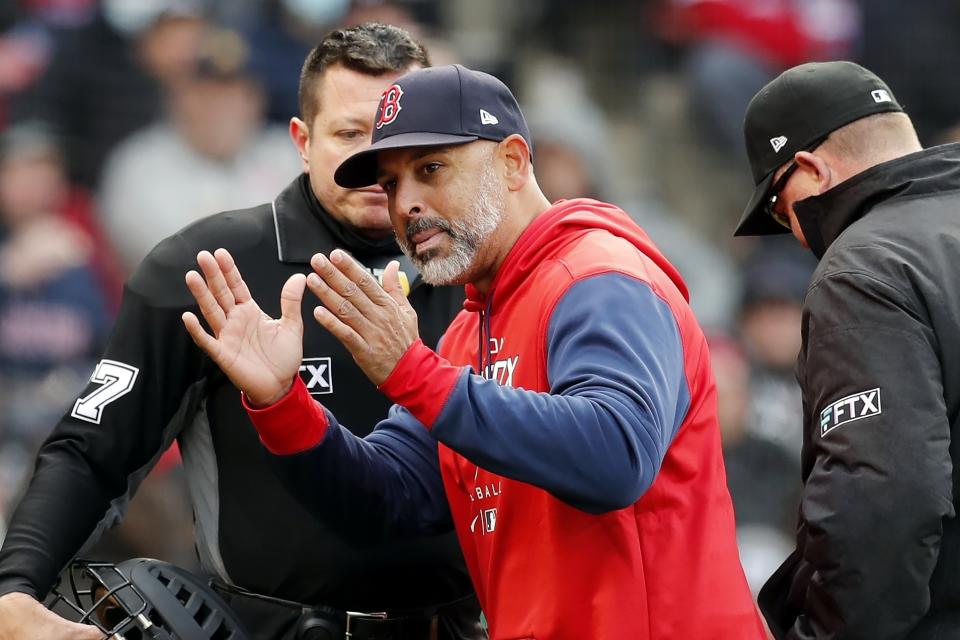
[(385, 485), (618, 394)]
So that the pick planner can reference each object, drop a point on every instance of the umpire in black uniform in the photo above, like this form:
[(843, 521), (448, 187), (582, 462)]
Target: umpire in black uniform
[(287, 575), (837, 163)]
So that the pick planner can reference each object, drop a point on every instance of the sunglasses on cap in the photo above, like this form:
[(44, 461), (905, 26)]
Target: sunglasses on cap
[(780, 218)]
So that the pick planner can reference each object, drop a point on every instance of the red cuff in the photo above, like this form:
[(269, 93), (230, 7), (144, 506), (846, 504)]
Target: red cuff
[(421, 382), (294, 423)]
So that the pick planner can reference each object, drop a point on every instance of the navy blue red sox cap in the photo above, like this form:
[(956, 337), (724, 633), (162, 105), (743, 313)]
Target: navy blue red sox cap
[(796, 111), (437, 106)]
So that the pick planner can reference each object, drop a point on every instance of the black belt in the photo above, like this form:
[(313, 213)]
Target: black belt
[(356, 625), (317, 622)]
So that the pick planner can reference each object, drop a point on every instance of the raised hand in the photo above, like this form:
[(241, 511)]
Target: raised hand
[(23, 618), (260, 355), (376, 324)]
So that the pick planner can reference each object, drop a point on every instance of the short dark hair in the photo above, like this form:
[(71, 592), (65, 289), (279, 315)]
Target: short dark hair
[(371, 48)]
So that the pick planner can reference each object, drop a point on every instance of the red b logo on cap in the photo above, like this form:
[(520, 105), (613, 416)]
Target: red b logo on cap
[(390, 105)]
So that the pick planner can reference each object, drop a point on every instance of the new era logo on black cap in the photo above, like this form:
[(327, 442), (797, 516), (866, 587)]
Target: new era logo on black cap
[(433, 107), (795, 112)]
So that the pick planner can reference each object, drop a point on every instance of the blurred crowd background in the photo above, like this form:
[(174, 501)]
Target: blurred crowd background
[(123, 120)]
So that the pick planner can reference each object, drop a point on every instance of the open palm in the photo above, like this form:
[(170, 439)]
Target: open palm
[(259, 354)]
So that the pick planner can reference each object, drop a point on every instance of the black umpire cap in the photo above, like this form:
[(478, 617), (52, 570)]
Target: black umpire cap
[(796, 111), (436, 106)]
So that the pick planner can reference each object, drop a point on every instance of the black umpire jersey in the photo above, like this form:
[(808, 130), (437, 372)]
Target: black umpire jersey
[(154, 385)]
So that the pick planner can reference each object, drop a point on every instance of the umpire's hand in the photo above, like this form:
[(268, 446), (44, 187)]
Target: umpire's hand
[(260, 355), (24, 618), (376, 324)]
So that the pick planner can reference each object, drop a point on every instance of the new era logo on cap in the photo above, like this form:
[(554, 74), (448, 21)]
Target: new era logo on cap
[(778, 143), (488, 118), (880, 95)]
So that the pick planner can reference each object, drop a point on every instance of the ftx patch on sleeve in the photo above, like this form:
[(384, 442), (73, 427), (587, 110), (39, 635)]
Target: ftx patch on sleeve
[(853, 407)]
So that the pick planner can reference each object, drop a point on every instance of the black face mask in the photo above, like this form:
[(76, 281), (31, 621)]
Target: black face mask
[(808, 217)]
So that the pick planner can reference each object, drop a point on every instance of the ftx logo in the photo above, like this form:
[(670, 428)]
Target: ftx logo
[(854, 407), (317, 375)]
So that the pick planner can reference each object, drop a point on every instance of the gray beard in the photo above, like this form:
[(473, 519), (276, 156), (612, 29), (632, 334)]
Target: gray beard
[(466, 234)]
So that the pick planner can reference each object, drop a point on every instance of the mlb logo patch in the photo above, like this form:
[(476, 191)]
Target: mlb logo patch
[(853, 407), (317, 375), (489, 520)]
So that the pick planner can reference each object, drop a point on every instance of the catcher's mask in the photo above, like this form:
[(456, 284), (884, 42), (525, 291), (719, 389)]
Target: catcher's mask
[(142, 599)]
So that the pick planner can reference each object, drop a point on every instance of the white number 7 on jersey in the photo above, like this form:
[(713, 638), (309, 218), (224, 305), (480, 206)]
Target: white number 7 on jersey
[(117, 380)]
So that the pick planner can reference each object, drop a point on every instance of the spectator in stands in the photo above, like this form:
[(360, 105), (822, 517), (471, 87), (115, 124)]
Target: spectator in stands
[(764, 480), (775, 278), (213, 153), (105, 79), (53, 313)]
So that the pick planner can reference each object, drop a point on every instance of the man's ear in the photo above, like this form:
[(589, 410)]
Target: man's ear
[(817, 167), (300, 134), (515, 153)]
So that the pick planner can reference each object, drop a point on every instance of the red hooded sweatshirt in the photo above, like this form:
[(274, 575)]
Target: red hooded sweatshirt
[(582, 470)]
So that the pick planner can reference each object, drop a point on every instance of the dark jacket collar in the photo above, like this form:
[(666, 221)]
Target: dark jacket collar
[(304, 228), (824, 217)]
